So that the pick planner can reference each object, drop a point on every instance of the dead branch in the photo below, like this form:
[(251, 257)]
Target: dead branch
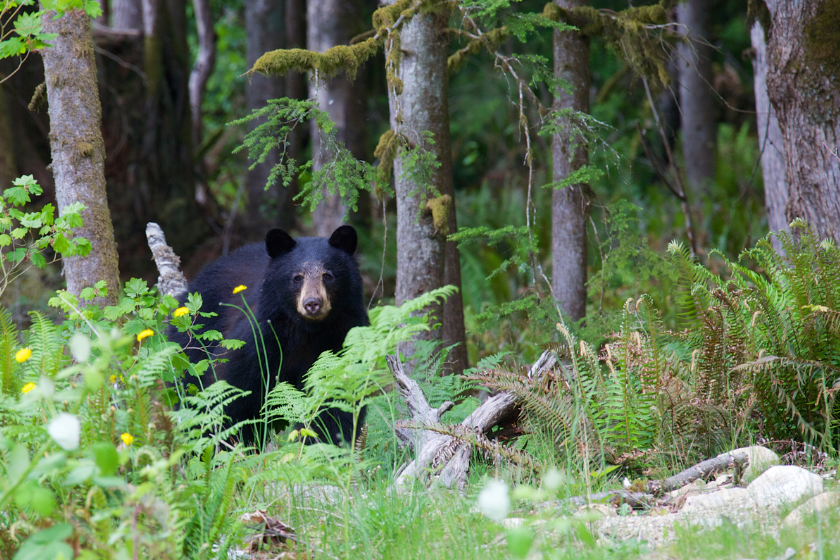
[(701, 470), (445, 454), (171, 280)]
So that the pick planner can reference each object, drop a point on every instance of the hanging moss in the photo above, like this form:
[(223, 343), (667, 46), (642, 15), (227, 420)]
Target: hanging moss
[(386, 150), (822, 40), (491, 39), (439, 208), (38, 97), (624, 32)]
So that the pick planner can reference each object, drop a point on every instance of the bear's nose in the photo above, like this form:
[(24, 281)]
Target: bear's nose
[(312, 305)]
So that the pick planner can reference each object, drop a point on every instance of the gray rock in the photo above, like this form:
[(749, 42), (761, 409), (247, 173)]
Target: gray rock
[(820, 504), (724, 500), (784, 485), (760, 459)]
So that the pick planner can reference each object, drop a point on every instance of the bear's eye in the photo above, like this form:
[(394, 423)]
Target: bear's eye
[(298, 278), (328, 277)]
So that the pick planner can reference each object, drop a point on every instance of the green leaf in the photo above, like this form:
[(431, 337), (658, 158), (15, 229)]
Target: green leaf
[(38, 260), (11, 47), (19, 233), (87, 293), (5, 240), (47, 544), (93, 9), (61, 245)]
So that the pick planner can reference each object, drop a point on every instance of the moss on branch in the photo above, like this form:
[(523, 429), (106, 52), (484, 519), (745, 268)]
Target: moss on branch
[(340, 57), (626, 32), (491, 40)]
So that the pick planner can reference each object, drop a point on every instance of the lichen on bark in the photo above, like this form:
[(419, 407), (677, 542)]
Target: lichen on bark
[(822, 41)]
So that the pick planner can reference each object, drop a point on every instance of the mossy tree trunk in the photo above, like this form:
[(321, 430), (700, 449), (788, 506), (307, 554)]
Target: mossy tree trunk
[(770, 139), (331, 23), (570, 205), (265, 24), (803, 71), (422, 106), (78, 151), (699, 125)]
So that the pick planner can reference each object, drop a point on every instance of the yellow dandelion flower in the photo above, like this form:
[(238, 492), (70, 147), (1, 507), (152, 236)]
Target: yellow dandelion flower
[(240, 288), (23, 354), (180, 312), (127, 438), (145, 334), (28, 387), (112, 379)]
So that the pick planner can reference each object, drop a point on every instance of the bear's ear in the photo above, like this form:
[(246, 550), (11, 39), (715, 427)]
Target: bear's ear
[(278, 242), (344, 238)]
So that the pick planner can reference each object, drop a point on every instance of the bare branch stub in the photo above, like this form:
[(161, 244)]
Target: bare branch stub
[(171, 281)]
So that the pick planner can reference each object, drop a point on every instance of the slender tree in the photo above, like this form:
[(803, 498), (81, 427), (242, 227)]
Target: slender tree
[(424, 219), (570, 205), (78, 152), (8, 169), (265, 24), (331, 23), (699, 126), (128, 14), (769, 138), (801, 83), (204, 64)]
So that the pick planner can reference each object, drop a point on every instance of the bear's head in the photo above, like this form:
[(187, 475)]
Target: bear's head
[(313, 276)]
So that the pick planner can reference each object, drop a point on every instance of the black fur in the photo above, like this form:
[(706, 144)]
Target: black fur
[(267, 269)]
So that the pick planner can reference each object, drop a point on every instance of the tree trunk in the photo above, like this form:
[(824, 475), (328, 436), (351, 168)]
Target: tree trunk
[(570, 205), (265, 24), (330, 23), (423, 106), (770, 139), (8, 169), (801, 83), (204, 64), (296, 88), (128, 14), (699, 126), (78, 152)]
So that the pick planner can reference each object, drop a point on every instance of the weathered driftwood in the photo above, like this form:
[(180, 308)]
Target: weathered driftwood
[(654, 489), (700, 470), (444, 454), (171, 280)]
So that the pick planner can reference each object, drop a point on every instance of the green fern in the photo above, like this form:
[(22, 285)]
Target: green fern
[(8, 343)]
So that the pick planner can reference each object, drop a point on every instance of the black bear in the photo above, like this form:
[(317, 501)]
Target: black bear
[(308, 289)]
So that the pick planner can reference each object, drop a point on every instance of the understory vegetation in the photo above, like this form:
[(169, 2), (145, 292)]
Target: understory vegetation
[(94, 463)]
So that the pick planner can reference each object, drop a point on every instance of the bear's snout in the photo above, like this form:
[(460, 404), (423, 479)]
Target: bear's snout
[(313, 302), (312, 305)]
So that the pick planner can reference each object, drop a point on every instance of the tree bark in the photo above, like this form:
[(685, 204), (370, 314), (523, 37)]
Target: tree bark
[(423, 106), (204, 64), (78, 151), (265, 24), (770, 139), (330, 23), (801, 83), (8, 169), (699, 126), (570, 205), (128, 14), (296, 88)]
